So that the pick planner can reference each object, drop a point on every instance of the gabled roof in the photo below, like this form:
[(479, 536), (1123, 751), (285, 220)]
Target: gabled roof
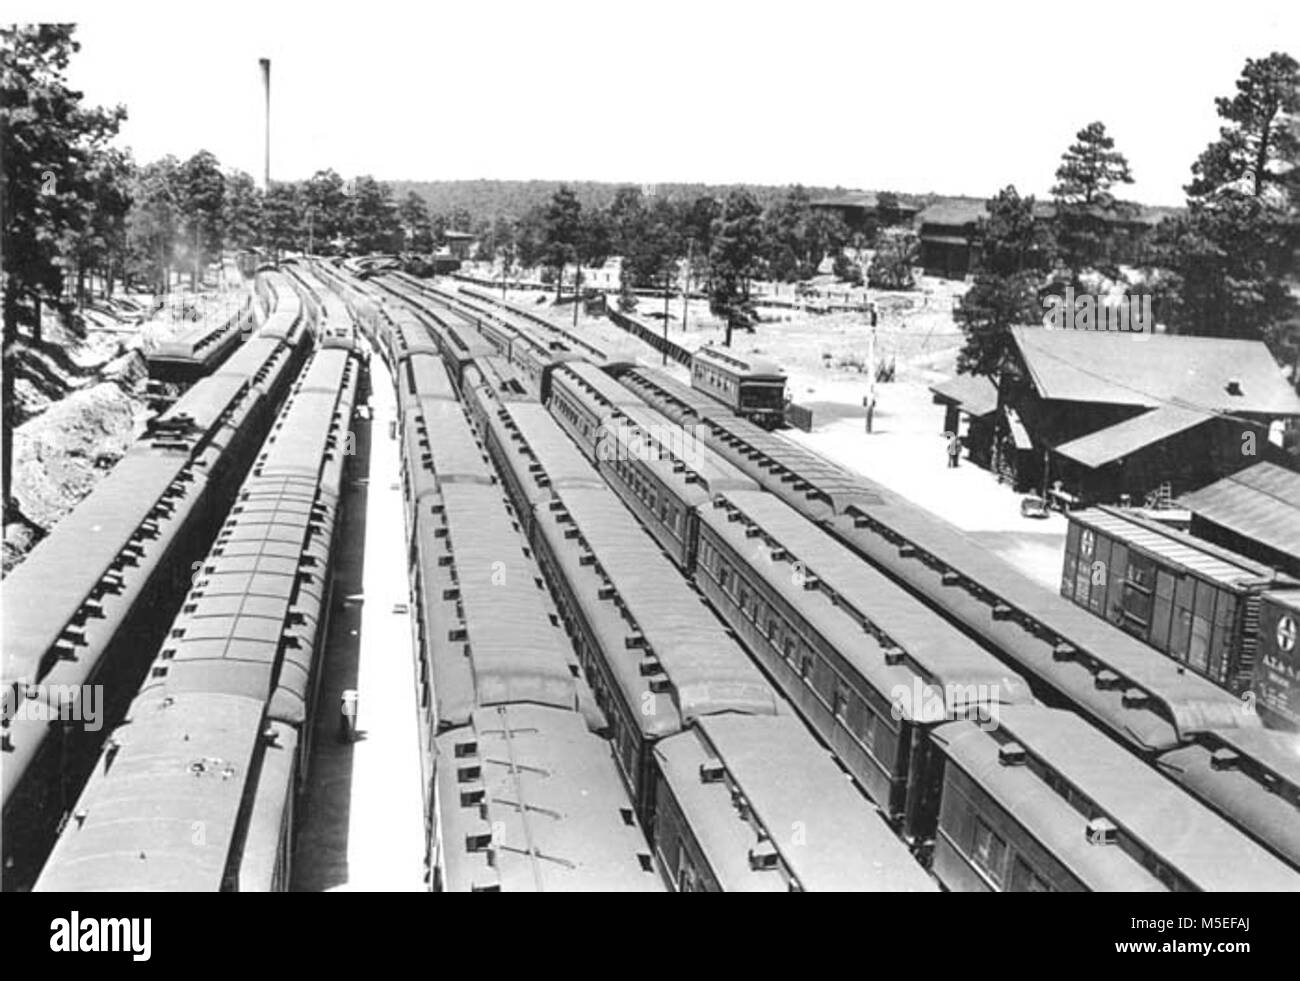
[(1123, 368), (1116, 442), (957, 211), (975, 394), (1261, 502)]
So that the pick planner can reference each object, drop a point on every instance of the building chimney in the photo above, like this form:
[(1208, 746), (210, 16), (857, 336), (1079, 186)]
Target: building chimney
[(265, 63)]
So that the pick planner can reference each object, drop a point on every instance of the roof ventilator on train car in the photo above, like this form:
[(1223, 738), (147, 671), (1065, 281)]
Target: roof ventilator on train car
[(479, 837), (1101, 831), (712, 770), (1224, 759), (1012, 754), (1136, 698), (764, 856), (1106, 680)]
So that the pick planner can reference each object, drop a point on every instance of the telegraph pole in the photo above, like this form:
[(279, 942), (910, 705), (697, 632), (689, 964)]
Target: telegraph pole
[(686, 291)]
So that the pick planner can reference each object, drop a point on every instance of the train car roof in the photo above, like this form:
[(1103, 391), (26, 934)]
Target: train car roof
[(303, 442), (1249, 776), (853, 590), (176, 763), (198, 344), (684, 445), (1174, 548), (514, 649), (805, 827), (561, 463), (548, 811), (249, 622), (706, 666), (425, 376), (586, 375), (441, 446), (745, 365), (42, 594), (1190, 702), (1151, 813), (665, 388)]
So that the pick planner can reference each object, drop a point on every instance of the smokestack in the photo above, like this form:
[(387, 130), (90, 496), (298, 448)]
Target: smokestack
[(266, 87)]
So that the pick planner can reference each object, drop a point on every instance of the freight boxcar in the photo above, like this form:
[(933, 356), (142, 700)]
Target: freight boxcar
[(1277, 659), (1191, 600)]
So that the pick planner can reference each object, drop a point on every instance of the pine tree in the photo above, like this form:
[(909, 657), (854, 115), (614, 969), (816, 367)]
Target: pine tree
[(1085, 207), (1007, 287)]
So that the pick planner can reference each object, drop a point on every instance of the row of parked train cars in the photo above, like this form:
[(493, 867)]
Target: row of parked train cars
[(708, 777), (642, 749), (967, 756), (206, 654)]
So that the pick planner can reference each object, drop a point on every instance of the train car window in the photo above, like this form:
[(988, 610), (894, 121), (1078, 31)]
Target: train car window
[(860, 719), (990, 851), (1023, 878)]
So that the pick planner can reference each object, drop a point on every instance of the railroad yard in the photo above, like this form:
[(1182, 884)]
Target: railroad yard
[(446, 529), (457, 596)]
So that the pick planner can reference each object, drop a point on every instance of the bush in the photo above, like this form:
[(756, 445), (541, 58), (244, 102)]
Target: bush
[(891, 267), (846, 270)]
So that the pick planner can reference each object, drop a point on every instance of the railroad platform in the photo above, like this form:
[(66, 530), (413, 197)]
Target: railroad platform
[(361, 825)]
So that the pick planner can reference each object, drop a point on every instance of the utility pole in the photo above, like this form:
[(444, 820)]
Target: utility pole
[(577, 292), (667, 295), (686, 291), (870, 400)]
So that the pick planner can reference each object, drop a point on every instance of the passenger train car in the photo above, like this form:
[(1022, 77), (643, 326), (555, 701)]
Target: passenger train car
[(681, 694), (752, 388), (197, 352), (521, 791), (196, 790), (1202, 737), (878, 676), (91, 602)]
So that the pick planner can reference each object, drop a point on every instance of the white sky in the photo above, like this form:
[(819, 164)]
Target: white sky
[(942, 96)]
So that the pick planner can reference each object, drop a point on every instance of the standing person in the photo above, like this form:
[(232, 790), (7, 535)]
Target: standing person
[(954, 450)]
